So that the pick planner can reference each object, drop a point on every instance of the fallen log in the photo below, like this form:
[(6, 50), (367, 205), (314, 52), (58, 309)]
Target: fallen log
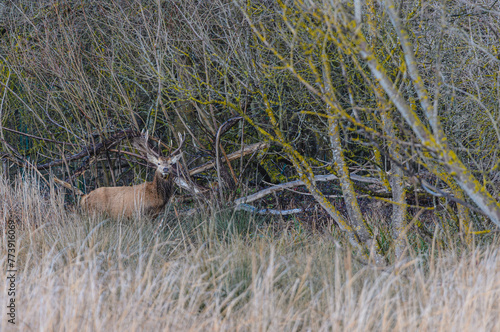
[(296, 183)]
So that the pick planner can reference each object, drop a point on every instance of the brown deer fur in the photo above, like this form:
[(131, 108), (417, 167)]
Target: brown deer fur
[(146, 199)]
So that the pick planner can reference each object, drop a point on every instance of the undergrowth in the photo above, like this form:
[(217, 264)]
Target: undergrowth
[(228, 271)]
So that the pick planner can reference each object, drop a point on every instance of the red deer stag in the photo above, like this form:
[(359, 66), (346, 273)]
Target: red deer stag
[(148, 198)]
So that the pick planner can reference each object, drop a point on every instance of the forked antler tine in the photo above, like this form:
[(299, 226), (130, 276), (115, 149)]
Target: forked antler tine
[(144, 135), (141, 144), (146, 139), (182, 139)]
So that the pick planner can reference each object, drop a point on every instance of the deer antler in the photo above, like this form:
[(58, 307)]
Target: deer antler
[(141, 144), (182, 139)]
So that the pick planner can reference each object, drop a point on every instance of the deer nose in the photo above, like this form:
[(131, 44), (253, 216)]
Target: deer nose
[(165, 170)]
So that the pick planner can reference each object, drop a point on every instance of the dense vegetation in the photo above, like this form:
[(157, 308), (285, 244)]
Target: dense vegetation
[(230, 272), (378, 161)]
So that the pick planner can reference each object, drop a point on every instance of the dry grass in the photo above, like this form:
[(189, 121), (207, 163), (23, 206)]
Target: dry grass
[(88, 274), (79, 69)]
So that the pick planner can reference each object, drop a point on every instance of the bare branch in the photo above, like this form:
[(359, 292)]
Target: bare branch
[(253, 209), (296, 183), (91, 150), (38, 137)]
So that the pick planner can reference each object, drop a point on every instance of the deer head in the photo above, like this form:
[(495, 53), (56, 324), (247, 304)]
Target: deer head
[(164, 165)]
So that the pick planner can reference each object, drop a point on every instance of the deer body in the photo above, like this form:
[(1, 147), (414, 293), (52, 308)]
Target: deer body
[(146, 199)]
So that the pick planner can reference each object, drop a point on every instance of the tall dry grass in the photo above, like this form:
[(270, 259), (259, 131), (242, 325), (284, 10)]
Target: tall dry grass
[(226, 272)]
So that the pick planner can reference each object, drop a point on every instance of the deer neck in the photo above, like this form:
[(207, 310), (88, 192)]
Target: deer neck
[(163, 187)]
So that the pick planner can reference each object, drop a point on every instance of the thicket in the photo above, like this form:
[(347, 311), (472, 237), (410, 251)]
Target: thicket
[(397, 105)]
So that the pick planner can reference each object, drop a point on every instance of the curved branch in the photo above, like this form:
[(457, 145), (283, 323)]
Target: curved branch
[(93, 149), (38, 137), (222, 130)]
